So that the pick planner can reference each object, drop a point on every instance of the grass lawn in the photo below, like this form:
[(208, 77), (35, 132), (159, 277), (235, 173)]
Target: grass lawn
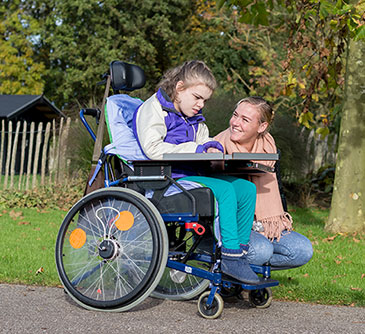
[(335, 275), (28, 238)]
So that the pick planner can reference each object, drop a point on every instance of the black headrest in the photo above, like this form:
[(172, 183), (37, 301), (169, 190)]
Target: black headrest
[(125, 76)]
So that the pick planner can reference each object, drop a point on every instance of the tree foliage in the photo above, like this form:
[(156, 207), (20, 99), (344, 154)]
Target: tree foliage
[(20, 73), (310, 75), (80, 38)]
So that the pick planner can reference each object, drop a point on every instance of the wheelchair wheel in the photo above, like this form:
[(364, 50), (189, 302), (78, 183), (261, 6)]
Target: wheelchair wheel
[(261, 298), (215, 310), (111, 250), (177, 285)]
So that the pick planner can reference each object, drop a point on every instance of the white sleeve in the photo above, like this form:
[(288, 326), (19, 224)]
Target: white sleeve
[(202, 135), (151, 131)]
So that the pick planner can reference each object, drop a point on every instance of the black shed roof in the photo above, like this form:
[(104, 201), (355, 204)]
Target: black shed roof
[(28, 107)]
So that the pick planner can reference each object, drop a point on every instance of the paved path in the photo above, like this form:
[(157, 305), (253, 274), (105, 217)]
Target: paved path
[(29, 309)]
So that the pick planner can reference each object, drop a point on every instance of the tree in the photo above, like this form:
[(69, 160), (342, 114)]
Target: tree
[(80, 38), (333, 24), (19, 72), (348, 203)]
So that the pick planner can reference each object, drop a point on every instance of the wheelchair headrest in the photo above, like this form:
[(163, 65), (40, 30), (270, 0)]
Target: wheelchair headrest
[(126, 77)]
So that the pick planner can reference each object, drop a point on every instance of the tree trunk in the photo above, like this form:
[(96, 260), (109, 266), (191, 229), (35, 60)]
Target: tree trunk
[(348, 200)]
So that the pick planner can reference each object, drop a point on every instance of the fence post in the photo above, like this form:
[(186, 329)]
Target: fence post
[(36, 155), (57, 164), (2, 147), (63, 149), (7, 164), (44, 153), (30, 154), (52, 152), (13, 155), (22, 154)]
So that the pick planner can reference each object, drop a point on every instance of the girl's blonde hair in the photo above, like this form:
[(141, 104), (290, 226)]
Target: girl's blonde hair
[(191, 73)]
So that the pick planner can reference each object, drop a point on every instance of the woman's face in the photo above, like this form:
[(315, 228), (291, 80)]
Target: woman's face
[(190, 100), (245, 124)]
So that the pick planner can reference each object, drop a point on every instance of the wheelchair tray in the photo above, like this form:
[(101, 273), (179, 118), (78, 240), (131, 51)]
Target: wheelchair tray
[(208, 163)]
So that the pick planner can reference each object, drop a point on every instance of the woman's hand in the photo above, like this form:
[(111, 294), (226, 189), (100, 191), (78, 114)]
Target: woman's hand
[(213, 150)]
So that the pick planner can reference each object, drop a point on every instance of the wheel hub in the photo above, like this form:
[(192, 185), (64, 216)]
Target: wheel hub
[(109, 249), (177, 276)]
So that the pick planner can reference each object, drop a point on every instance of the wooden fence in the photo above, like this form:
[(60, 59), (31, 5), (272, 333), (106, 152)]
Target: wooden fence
[(36, 153)]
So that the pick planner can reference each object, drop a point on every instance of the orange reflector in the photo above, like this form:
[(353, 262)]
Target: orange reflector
[(125, 221), (77, 238)]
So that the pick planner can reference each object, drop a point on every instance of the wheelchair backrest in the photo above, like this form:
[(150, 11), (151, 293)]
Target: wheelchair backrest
[(126, 77), (120, 108)]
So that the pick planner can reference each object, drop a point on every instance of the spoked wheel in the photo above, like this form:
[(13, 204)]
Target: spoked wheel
[(215, 310), (111, 250), (177, 285), (261, 298)]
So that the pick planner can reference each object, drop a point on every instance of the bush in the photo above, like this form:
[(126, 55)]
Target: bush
[(48, 197)]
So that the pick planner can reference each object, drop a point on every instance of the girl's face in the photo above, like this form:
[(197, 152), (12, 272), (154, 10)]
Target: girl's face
[(245, 124), (190, 100)]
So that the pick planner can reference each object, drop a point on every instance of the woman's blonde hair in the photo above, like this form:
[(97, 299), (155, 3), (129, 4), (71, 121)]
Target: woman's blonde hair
[(264, 108), (190, 73)]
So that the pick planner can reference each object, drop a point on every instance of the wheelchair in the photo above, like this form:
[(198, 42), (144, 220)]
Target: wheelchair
[(127, 241)]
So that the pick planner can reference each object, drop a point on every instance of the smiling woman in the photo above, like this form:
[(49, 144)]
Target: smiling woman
[(246, 124), (273, 239)]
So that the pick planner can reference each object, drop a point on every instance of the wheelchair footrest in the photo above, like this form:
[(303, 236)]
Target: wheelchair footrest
[(228, 281)]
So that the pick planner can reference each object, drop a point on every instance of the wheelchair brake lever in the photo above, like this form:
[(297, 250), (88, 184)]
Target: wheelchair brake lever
[(199, 229)]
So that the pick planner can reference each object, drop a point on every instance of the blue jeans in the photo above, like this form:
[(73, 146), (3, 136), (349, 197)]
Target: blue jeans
[(293, 250)]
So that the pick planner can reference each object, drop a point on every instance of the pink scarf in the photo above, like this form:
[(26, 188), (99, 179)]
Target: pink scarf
[(269, 208)]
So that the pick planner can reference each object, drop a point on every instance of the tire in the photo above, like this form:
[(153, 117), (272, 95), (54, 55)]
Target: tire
[(261, 298), (216, 308), (111, 250)]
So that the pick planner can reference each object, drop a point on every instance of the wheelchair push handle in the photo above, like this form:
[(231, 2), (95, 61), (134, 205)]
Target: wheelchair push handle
[(90, 112)]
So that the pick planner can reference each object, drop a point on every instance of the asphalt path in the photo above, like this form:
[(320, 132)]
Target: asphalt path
[(29, 309)]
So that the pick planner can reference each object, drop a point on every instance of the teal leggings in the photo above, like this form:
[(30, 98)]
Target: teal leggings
[(236, 203)]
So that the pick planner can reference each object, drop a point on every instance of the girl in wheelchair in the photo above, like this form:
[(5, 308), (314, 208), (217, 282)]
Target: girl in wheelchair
[(171, 121)]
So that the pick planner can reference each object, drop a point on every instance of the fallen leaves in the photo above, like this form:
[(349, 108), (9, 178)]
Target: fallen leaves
[(23, 223), (40, 271), (329, 239), (15, 215)]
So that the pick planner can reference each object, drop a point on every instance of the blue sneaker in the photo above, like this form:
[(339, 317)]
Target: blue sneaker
[(235, 265)]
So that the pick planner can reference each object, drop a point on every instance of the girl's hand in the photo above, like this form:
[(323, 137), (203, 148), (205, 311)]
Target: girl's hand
[(210, 147)]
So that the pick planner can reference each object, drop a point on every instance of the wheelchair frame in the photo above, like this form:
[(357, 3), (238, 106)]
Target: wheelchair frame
[(105, 264)]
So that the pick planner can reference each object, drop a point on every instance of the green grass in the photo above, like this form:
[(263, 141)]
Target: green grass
[(28, 238), (335, 275)]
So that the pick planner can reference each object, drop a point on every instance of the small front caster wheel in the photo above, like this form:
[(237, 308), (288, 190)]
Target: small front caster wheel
[(213, 311), (260, 298)]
